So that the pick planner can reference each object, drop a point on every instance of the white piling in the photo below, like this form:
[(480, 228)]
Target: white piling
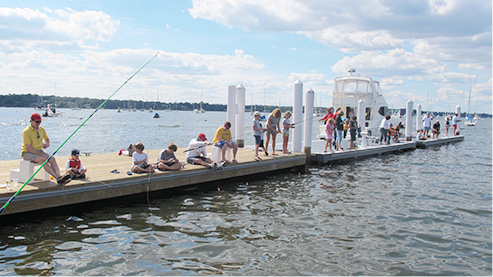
[(419, 120), (309, 101), (240, 117), (457, 111), (231, 115), (361, 122), (409, 120), (297, 116)]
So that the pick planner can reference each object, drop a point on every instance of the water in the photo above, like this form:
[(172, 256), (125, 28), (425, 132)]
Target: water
[(423, 212)]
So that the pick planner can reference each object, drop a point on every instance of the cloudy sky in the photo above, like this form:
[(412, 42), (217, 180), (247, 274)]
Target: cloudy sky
[(428, 51)]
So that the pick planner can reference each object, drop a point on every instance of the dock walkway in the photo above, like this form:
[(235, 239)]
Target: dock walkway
[(101, 184)]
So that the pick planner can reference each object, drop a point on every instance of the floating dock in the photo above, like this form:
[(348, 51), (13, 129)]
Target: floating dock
[(101, 184)]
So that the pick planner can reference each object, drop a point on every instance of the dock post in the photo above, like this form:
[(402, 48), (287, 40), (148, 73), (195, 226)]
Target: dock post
[(409, 120), (457, 111), (297, 116), (240, 117), (419, 120), (361, 122), (309, 100), (231, 115)]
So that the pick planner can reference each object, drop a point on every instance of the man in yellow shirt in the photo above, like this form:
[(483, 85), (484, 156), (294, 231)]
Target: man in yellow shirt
[(34, 140), (223, 140)]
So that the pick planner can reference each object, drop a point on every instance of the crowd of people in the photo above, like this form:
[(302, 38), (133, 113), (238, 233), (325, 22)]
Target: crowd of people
[(336, 128)]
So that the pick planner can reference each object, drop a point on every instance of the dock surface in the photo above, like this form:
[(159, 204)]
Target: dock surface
[(101, 184)]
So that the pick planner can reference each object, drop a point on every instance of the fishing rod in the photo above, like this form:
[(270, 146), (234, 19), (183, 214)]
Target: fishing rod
[(73, 133)]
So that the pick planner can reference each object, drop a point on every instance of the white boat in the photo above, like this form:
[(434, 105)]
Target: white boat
[(469, 121), (350, 89), (199, 110), (50, 111), (476, 117)]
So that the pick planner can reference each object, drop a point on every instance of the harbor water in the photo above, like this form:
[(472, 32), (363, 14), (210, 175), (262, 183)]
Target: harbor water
[(422, 212)]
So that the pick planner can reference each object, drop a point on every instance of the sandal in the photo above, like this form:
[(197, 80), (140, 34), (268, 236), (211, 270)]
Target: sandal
[(114, 171)]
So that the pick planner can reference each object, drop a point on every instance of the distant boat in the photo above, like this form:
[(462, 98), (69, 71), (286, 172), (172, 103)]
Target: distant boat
[(476, 117), (469, 121), (156, 115), (199, 110), (50, 111)]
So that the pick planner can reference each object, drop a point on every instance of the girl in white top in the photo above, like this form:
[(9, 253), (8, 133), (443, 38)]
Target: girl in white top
[(286, 125)]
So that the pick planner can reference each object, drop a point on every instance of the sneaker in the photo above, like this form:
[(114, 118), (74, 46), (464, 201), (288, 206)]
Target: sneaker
[(64, 179), (214, 165)]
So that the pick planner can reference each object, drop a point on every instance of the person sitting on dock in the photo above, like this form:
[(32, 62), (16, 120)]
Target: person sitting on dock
[(421, 135), (74, 166), (32, 149), (167, 160), (196, 153), (224, 140), (436, 130), (141, 160)]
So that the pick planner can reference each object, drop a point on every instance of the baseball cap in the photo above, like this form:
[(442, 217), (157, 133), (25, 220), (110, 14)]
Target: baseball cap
[(36, 117), (75, 152), (202, 136), (256, 113)]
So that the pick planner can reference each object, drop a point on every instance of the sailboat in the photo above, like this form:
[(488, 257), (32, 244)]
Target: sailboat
[(469, 121), (200, 110)]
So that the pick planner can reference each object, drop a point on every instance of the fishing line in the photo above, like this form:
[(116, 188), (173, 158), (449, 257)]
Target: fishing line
[(73, 133)]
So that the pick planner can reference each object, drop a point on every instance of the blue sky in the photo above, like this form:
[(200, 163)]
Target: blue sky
[(427, 51)]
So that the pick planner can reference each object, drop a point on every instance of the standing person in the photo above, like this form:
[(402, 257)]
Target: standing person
[(339, 129), (427, 125), (34, 140), (436, 129), (286, 125), (327, 116), (74, 166), (273, 129), (329, 134), (196, 153), (384, 130), (353, 128), (223, 139), (257, 133), (447, 125), (455, 121), (140, 160), (167, 160)]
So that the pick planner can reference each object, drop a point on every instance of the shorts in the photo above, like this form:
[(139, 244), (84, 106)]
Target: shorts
[(142, 166), (285, 133), (31, 157), (191, 160), (339, 136), (455, 126), (269, 131), (257, 140), (220, 144), (353, 134), (426, 128)]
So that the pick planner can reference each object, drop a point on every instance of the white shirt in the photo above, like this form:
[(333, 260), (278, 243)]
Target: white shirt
[(139, 157), (196, 148), (384, 124), (454, 120), (427, 121)]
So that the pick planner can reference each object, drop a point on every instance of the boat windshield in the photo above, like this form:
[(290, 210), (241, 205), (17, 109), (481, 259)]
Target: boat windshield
[(354, 86)]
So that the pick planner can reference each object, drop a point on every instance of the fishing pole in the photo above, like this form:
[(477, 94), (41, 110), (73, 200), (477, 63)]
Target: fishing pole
[(82, 124)]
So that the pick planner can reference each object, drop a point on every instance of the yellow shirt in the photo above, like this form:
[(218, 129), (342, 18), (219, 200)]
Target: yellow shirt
[(30, 136), (225, 134)]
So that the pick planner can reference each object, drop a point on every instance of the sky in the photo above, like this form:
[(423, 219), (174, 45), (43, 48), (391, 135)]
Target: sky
[(433, 52)]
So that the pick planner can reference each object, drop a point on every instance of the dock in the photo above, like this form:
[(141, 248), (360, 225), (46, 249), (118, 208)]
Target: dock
[(101, 184)]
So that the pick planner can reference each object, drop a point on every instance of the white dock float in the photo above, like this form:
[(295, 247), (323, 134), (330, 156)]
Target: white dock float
[(353, 154), (438, 141)]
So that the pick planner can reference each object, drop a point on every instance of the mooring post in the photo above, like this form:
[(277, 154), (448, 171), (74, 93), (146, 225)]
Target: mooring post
[(297, 116), (231, 115), (240, 117), (409, 120), (457, 111), (419, 120), (309, 101)]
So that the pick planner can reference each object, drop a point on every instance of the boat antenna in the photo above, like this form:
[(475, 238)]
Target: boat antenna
[(351, 71), (71, 135)]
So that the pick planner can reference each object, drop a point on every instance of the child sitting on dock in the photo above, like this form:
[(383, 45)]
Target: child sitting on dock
[(74, 166), (141, 160), (421, 135), (329, 134), (196, 153), (286, 125), (167, 160)]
